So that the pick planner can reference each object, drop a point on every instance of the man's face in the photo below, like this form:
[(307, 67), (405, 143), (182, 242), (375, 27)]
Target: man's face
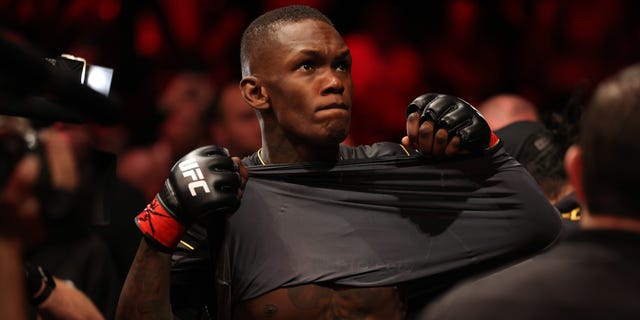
[(307, 75)]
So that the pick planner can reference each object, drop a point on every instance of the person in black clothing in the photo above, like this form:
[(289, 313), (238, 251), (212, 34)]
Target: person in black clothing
[(541, 151), (24, 224), (593, 273), (327, 230), (539, 145)]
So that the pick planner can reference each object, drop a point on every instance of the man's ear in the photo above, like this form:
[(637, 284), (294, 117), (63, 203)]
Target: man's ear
[(573, 166), (254, 93)]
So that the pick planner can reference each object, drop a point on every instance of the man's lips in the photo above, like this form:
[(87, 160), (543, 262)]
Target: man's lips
[(335, 106)]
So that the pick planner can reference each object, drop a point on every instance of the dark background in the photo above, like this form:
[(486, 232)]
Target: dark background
[(547, 50)]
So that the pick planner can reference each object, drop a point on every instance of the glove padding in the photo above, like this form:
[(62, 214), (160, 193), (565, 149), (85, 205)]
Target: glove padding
[(203, 182), (456, 116)]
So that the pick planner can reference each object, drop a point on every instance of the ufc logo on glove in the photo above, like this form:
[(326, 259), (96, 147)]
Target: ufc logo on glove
[(189, 168)]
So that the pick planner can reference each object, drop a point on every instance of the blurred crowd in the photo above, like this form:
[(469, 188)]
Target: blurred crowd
[(176, 74), (546, 51)]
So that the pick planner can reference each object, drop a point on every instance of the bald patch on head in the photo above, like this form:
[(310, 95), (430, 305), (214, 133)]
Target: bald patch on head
[(504, 109)]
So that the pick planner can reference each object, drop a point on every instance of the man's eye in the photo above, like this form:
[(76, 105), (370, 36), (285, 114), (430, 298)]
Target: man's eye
[(343, 66), (306, 66)]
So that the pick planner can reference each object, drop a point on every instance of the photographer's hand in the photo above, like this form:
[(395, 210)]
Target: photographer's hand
[(22, 227), (67, 302), (18, 207)]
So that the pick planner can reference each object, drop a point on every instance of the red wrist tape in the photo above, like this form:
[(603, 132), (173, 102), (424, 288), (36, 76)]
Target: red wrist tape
[(493, 140), (155, 222)]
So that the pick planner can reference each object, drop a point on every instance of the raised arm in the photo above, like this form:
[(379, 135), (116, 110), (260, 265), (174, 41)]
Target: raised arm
[(145, 294), (206, 181), (440, 125)]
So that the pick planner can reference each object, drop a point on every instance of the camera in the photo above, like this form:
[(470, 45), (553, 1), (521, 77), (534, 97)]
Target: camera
[(95, 77), (63, 88), (35, 92)]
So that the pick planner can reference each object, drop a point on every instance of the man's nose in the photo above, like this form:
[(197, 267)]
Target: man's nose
[(334, 82)]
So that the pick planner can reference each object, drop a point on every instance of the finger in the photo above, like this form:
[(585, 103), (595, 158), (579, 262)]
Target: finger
[(213, 149), (405, 142), (219, 162), (425, 140), (440, 106), (419, 103), (475, 136), (440, 143), (413, 124), (453, 147), (242, 171), (455, 119)]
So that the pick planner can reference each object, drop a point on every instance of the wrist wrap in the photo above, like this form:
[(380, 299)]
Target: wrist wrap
[(159, 226), (493, 140)]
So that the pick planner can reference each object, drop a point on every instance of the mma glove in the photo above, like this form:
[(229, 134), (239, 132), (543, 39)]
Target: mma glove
[(456, 116), (203, 182)]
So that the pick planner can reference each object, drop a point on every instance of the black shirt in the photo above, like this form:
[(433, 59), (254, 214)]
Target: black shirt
[(381, 216)]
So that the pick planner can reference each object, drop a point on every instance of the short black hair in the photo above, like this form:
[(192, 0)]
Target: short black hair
[(260, 31), (540, 148), (610, 142), (542, 155)]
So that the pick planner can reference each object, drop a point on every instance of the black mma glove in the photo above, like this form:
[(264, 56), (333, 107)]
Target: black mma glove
[(203, 182), (456, 116)]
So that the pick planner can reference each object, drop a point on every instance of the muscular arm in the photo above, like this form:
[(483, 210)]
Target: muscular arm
[(145, 294), (204, 181)]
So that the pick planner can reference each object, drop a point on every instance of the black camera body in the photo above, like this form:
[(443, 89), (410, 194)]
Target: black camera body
[(64, 88), (61, 89), (95, 77)]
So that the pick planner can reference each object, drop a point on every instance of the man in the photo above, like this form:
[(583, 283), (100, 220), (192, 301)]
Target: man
[(513, 118), (542, 153), (504, 109), (22, 226), (538, 146), (326, 230), (593, 273)]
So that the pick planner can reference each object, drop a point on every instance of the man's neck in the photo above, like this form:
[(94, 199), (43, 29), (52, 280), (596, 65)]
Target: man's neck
[(270, 154)]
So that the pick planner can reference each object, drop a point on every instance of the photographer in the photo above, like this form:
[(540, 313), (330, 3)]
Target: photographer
[(22, 227), (70, 194)]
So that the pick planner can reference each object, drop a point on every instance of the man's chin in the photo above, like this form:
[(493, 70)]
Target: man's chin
[(337, 135)]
